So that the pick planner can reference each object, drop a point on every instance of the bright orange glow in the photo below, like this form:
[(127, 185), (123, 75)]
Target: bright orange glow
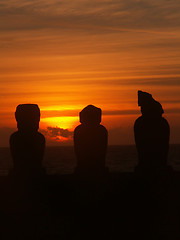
[(58, 129), (54, 58), (60, 122)]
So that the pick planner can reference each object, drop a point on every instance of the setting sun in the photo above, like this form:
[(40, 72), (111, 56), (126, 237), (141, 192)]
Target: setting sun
[(60, 122)]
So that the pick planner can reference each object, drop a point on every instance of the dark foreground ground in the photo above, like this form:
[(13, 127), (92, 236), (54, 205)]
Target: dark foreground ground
[(107, 206)]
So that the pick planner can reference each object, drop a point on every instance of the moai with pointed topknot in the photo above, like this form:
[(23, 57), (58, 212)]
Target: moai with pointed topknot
[(27, 145), (90, 140), (151, 133)]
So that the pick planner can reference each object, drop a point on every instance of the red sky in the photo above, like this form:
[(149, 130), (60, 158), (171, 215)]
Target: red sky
[(64, 55)]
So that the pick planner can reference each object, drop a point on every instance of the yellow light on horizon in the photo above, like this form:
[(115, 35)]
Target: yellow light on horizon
[(60, 108), (60, 122)]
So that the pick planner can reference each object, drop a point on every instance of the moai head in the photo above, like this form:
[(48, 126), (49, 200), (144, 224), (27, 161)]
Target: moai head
[(149, 106), (90, 115), (27, 117)]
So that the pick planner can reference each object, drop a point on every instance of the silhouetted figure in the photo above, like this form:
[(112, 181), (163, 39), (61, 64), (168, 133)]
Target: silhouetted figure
[(151, 132), (155, 191), (90, 182), (27, 145), (90, 140)]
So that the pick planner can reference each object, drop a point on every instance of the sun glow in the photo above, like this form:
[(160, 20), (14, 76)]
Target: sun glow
[(60, 122), (61, 108)]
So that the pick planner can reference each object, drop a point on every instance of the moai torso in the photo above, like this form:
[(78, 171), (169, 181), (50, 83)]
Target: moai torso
[(27, 145), (151, 132), (90, 139)]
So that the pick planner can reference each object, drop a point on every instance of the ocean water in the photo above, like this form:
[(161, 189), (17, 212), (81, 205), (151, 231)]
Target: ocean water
[(61, 159)]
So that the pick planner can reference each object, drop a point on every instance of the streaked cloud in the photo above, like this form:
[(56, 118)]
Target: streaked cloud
[(90, 14)]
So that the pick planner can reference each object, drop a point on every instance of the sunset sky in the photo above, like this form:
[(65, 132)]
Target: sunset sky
[(64, 55)]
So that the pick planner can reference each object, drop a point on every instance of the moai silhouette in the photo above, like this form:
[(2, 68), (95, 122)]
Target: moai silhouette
[(151, 132), (90, 140), (27, 145)]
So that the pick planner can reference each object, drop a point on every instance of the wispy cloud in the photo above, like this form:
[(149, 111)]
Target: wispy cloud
[(90, 14), (57, 133)]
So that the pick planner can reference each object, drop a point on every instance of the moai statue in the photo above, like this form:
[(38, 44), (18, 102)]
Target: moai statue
[(27, 145), (90, 140), (151, 133)]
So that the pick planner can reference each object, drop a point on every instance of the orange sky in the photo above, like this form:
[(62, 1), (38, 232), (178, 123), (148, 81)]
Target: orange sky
[(66, 55)]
